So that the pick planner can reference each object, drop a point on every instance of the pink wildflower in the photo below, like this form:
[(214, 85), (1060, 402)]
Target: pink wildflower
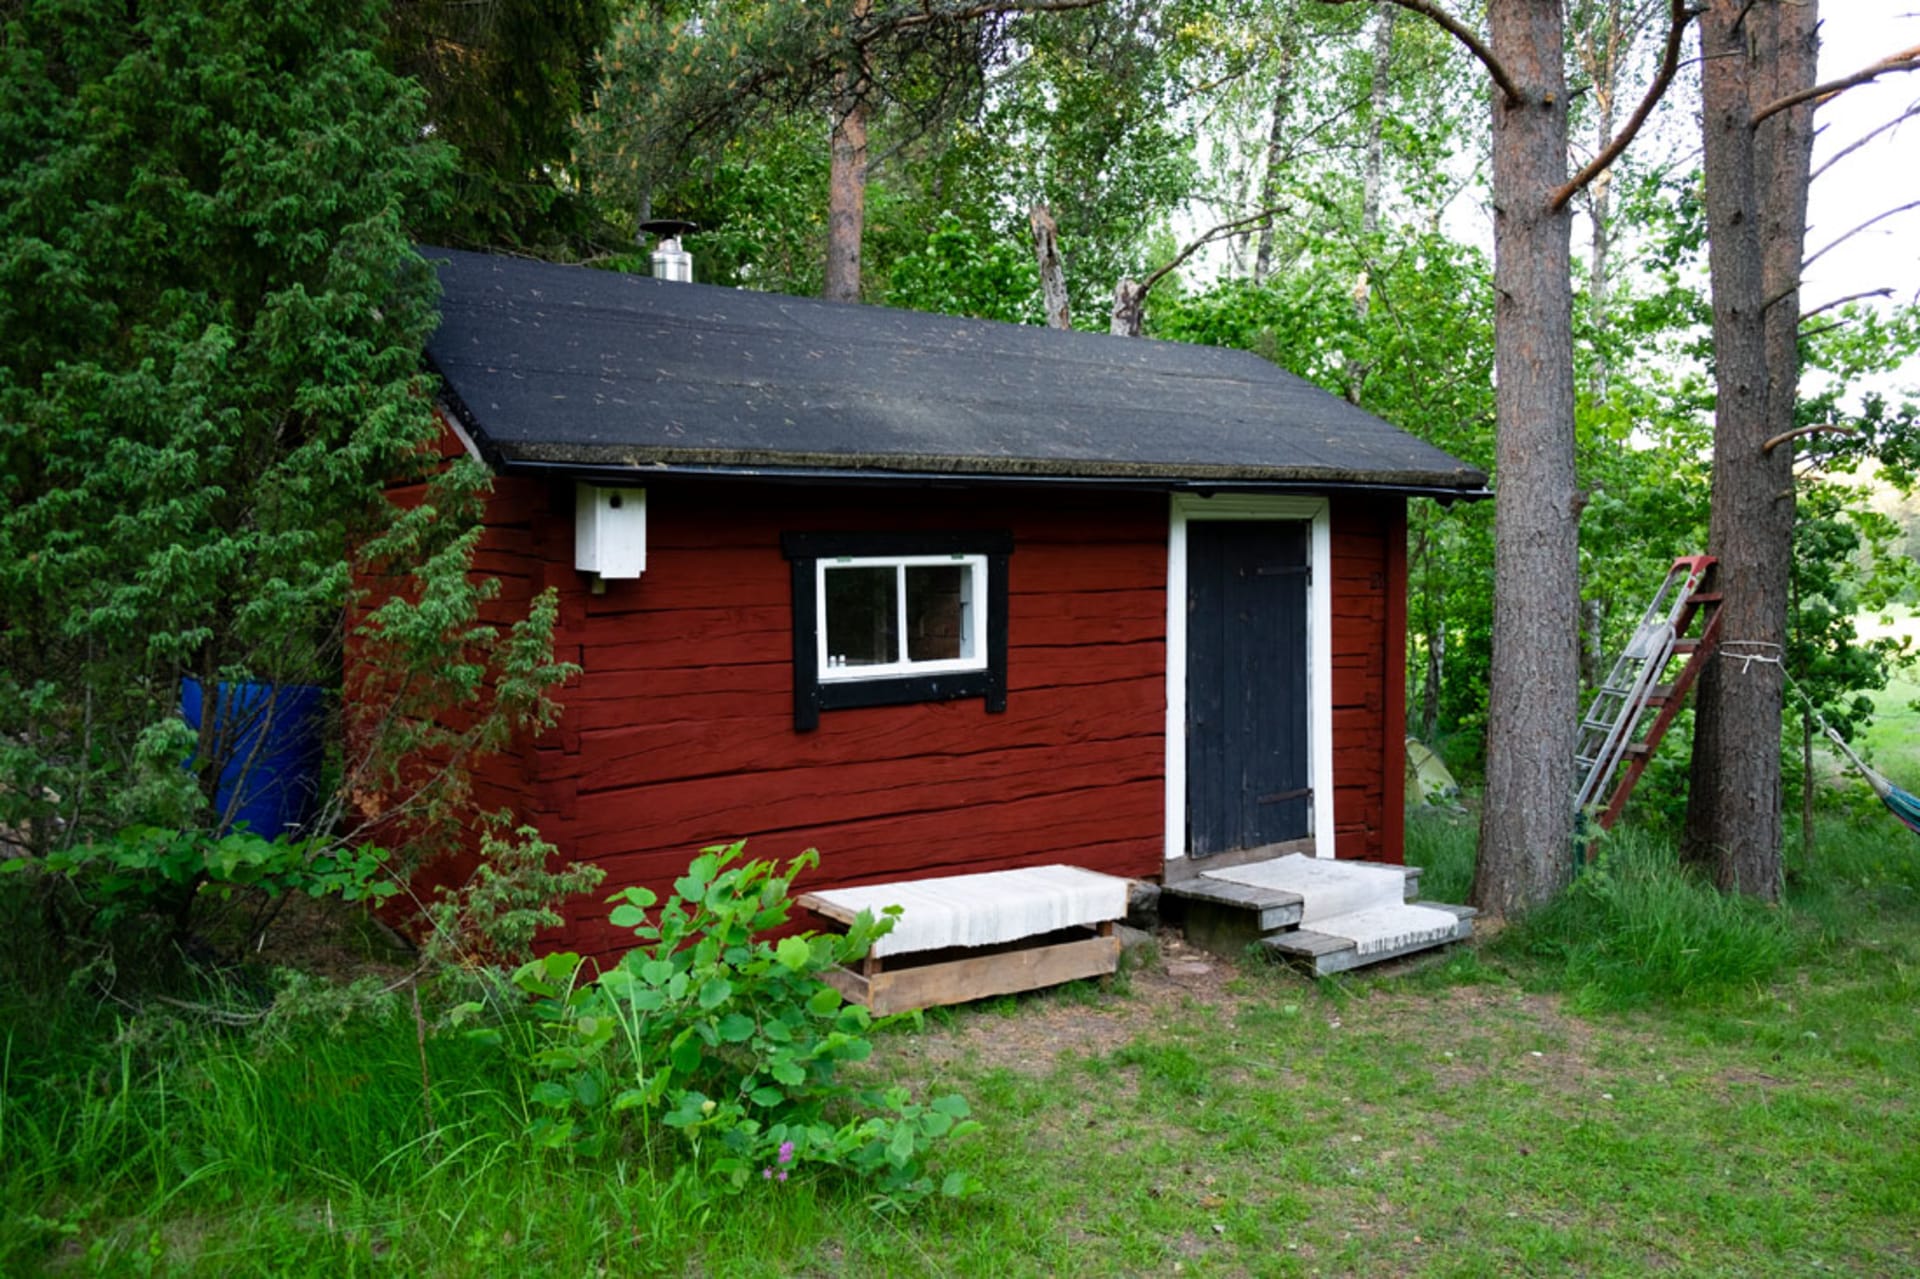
[(786, 1155)]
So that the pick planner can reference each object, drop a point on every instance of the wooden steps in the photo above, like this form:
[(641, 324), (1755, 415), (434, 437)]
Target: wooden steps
[(1325, 916)]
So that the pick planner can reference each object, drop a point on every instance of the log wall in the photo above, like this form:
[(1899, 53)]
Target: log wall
[(679, 731), (1369, 676)]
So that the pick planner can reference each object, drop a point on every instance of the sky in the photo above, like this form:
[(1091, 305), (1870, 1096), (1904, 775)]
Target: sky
[(1881, 176)]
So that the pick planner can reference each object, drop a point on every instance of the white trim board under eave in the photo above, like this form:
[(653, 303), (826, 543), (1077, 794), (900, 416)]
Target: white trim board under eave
[(1252, 506)]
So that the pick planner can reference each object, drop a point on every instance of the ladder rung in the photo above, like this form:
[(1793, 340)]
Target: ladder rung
[(1638, 750), (1685, 646), (1704, 597)]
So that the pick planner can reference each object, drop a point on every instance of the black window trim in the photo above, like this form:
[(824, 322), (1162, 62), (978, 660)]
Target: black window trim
[(811, 695)]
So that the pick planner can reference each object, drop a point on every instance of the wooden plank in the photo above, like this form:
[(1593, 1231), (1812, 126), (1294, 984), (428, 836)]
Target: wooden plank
[(1010, 972), (1037, 825), (656, 745)]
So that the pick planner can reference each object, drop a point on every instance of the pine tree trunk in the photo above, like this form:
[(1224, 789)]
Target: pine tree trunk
[(1526, 831), (846, 199), (1756, 192), (847, 181)]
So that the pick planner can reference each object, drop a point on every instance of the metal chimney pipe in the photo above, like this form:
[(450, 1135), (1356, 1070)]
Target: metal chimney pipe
[(670, 261)]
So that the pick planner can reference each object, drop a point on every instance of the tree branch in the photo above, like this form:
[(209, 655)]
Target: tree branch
[(1681, 14), (1863, 139), (1219, 232), (1851, 297), (1905, 60), (1465, 35), (918, 16), (1784, 436), (1834, 244)]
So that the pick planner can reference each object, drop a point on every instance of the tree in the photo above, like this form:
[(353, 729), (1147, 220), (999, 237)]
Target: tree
[(684, 78), (504, 81), (1759, 94), (1527, 826), (1756, 203), (211, 325)]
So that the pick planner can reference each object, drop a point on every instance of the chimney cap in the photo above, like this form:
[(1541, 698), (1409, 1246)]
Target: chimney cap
[(669, 228)]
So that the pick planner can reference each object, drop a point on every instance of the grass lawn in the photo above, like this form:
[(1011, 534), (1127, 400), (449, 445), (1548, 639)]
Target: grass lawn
[(1525, 1106)]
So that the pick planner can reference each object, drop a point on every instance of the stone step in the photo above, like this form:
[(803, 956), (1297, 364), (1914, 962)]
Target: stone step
[(1229, 909), (1371, 936)]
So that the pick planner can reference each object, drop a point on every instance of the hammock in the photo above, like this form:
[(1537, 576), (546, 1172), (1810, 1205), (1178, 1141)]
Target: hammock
[(1902, 805)]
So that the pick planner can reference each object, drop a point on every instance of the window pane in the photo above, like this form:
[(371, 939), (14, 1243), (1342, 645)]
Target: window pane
[(939, 624), (862, 620)]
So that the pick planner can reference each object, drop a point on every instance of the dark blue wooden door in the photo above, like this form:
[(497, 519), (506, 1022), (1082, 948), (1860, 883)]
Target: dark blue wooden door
[(1247, 774)]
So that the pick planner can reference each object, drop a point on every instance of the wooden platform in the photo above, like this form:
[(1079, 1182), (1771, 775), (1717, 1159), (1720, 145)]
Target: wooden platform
[(902, 980)]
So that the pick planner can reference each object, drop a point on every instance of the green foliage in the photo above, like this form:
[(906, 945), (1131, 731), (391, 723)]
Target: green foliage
[(1637, 927), (211, 331), (728, 1039), (958, 274), (1441, 844), (504, 82), (511, 894), (211, 324), (146, 865)]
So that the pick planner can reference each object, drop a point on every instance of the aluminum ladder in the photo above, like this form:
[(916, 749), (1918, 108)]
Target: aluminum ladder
[(1633, 686)]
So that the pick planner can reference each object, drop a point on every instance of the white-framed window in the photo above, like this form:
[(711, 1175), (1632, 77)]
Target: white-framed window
[(891, 617), (880, 616)]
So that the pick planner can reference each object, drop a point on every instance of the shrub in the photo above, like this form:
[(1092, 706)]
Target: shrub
[(728, 1039)]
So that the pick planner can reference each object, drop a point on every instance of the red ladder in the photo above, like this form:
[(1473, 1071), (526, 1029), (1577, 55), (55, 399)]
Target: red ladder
[(1682, 624)]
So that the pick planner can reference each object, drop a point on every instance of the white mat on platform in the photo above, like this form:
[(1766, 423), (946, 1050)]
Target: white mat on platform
[(988, 908), (1327, 888), (1385, 928)]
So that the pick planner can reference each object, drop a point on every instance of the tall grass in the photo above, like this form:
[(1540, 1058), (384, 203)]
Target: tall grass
[(143, 1136), (1440, 842), (1637, 927)]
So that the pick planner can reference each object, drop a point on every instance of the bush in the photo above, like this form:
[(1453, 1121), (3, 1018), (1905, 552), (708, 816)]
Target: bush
[(726, 1038)]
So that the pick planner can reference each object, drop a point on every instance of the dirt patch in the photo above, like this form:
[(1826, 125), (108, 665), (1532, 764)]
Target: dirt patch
[(1032, 1034)]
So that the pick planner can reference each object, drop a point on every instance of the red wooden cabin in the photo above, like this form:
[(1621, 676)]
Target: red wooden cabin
[(932, 595)]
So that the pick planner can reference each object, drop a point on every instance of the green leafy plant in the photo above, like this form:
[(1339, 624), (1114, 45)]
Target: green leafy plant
[(144, 869), (711, 1029)]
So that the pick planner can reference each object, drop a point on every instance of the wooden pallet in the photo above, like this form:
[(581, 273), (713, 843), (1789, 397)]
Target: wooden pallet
[(903, 980), (901, 983)]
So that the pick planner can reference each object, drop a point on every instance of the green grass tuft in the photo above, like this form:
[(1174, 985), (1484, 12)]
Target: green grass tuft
[(1441, 843), (1638, 928)]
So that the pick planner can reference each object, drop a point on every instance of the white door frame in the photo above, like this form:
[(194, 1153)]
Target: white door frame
[(1185, 508)]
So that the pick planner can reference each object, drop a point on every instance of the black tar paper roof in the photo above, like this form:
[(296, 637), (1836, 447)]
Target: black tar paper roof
[(573, 367)]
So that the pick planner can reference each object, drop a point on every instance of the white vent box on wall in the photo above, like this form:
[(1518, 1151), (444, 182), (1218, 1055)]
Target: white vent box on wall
[(610, 530)]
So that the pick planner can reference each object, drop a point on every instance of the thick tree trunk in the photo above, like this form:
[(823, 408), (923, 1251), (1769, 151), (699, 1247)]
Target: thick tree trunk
[(1526, 830), (1756, 192), (1053, 275), (846, 199), (847, 180)]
